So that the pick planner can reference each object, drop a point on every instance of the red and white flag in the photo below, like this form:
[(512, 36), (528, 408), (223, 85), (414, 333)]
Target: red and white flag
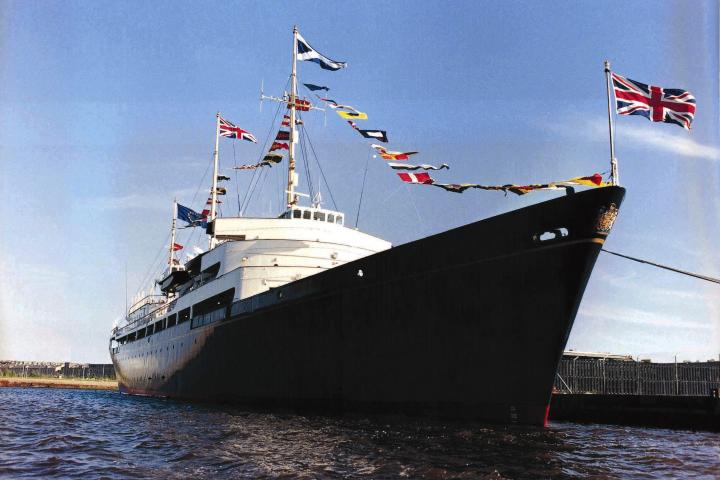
[(176, 247), (423, 178), (279, 146), (286, 121)]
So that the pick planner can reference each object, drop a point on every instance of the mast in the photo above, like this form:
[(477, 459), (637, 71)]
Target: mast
[(614, 176), (291, 149), (172, 236), (213, 192)]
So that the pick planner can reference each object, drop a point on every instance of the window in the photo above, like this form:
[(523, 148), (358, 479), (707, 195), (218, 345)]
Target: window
[(171, 320), (297, 213), (339, 219), (306, 214), (150, 330), (212, 309), (184, 315), (331, 218), (320, 216), (236, 308)]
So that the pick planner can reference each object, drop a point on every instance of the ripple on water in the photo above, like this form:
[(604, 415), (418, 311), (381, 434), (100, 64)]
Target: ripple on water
[(66, 433)]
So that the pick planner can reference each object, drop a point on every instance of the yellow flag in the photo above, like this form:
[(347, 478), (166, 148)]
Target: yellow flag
[(352, 116)]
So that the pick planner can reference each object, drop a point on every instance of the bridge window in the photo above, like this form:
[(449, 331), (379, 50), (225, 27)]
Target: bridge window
[(306, 214), (339, 220), (319, 216), (297, 213)]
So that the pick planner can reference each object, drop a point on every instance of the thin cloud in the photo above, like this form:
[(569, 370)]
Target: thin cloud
[(643, 318), (633, 281), (657, 137), (673, 143), (148, 201)]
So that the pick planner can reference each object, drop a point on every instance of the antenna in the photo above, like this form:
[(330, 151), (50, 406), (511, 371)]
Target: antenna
[(126, 289), (262, 93)]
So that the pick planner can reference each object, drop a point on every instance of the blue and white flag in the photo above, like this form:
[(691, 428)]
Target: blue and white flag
[(193, 218), (306, 52), (314, 87)]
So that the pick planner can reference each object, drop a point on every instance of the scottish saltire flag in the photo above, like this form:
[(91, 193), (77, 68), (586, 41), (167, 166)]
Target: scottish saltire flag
[(229, 130), (307, 53), (193, 218), (657, 104)]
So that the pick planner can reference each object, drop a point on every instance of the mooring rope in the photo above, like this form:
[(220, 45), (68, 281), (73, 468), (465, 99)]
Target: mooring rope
[(672, 269)]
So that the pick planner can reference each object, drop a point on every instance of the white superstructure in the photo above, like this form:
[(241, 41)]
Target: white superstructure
[(248, 256)]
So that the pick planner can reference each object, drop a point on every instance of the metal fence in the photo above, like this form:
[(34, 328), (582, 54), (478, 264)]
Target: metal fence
[(617, 377)]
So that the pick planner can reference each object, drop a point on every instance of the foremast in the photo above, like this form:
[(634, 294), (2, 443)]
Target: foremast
[(171, 260), (292, 177), (213, 192)]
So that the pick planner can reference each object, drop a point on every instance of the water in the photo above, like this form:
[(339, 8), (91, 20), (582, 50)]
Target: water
[(86, 434)]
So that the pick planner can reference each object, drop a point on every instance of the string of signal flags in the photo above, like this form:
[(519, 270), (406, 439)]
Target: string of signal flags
[(657, 104), (407, 170)]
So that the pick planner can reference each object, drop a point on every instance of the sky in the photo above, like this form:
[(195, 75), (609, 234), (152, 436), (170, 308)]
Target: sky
[(107, 113)]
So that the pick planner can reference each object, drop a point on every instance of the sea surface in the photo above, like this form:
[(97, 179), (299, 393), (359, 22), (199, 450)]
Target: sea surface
[(49, 433)]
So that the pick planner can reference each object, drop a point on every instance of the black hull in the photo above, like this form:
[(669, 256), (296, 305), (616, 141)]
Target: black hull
[(467, 323)]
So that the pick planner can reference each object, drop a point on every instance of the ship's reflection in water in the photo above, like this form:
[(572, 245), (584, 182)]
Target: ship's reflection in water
[(65, 433)]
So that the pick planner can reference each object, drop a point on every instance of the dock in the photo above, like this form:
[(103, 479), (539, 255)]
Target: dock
[(604, 388), (72, 383)]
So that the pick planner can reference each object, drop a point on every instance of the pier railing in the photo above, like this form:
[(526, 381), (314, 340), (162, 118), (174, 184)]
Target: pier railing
[(623, 377), (100, 371)]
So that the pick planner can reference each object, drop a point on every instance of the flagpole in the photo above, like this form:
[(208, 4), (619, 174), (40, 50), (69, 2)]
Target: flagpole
[(614, 175), (213, 194), (172, 236), (291, 148)]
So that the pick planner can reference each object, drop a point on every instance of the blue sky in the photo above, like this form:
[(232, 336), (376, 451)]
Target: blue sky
[(107, 114)]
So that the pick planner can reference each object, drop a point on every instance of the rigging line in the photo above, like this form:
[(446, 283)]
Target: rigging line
[(190, 238), (304, 154), (392, 194), (251, 187), (412, 200), (322, 173), (362, 189), (237, 182), (676, 270), (151, 270), (259, 182)]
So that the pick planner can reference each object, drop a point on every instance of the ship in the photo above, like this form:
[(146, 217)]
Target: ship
[(302, 312)]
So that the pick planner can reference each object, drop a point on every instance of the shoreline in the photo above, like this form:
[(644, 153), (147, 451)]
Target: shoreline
[(72, 383)]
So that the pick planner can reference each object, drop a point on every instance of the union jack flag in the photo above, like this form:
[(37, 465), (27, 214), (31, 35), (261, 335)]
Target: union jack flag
[(657, 104), (229, 130)]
